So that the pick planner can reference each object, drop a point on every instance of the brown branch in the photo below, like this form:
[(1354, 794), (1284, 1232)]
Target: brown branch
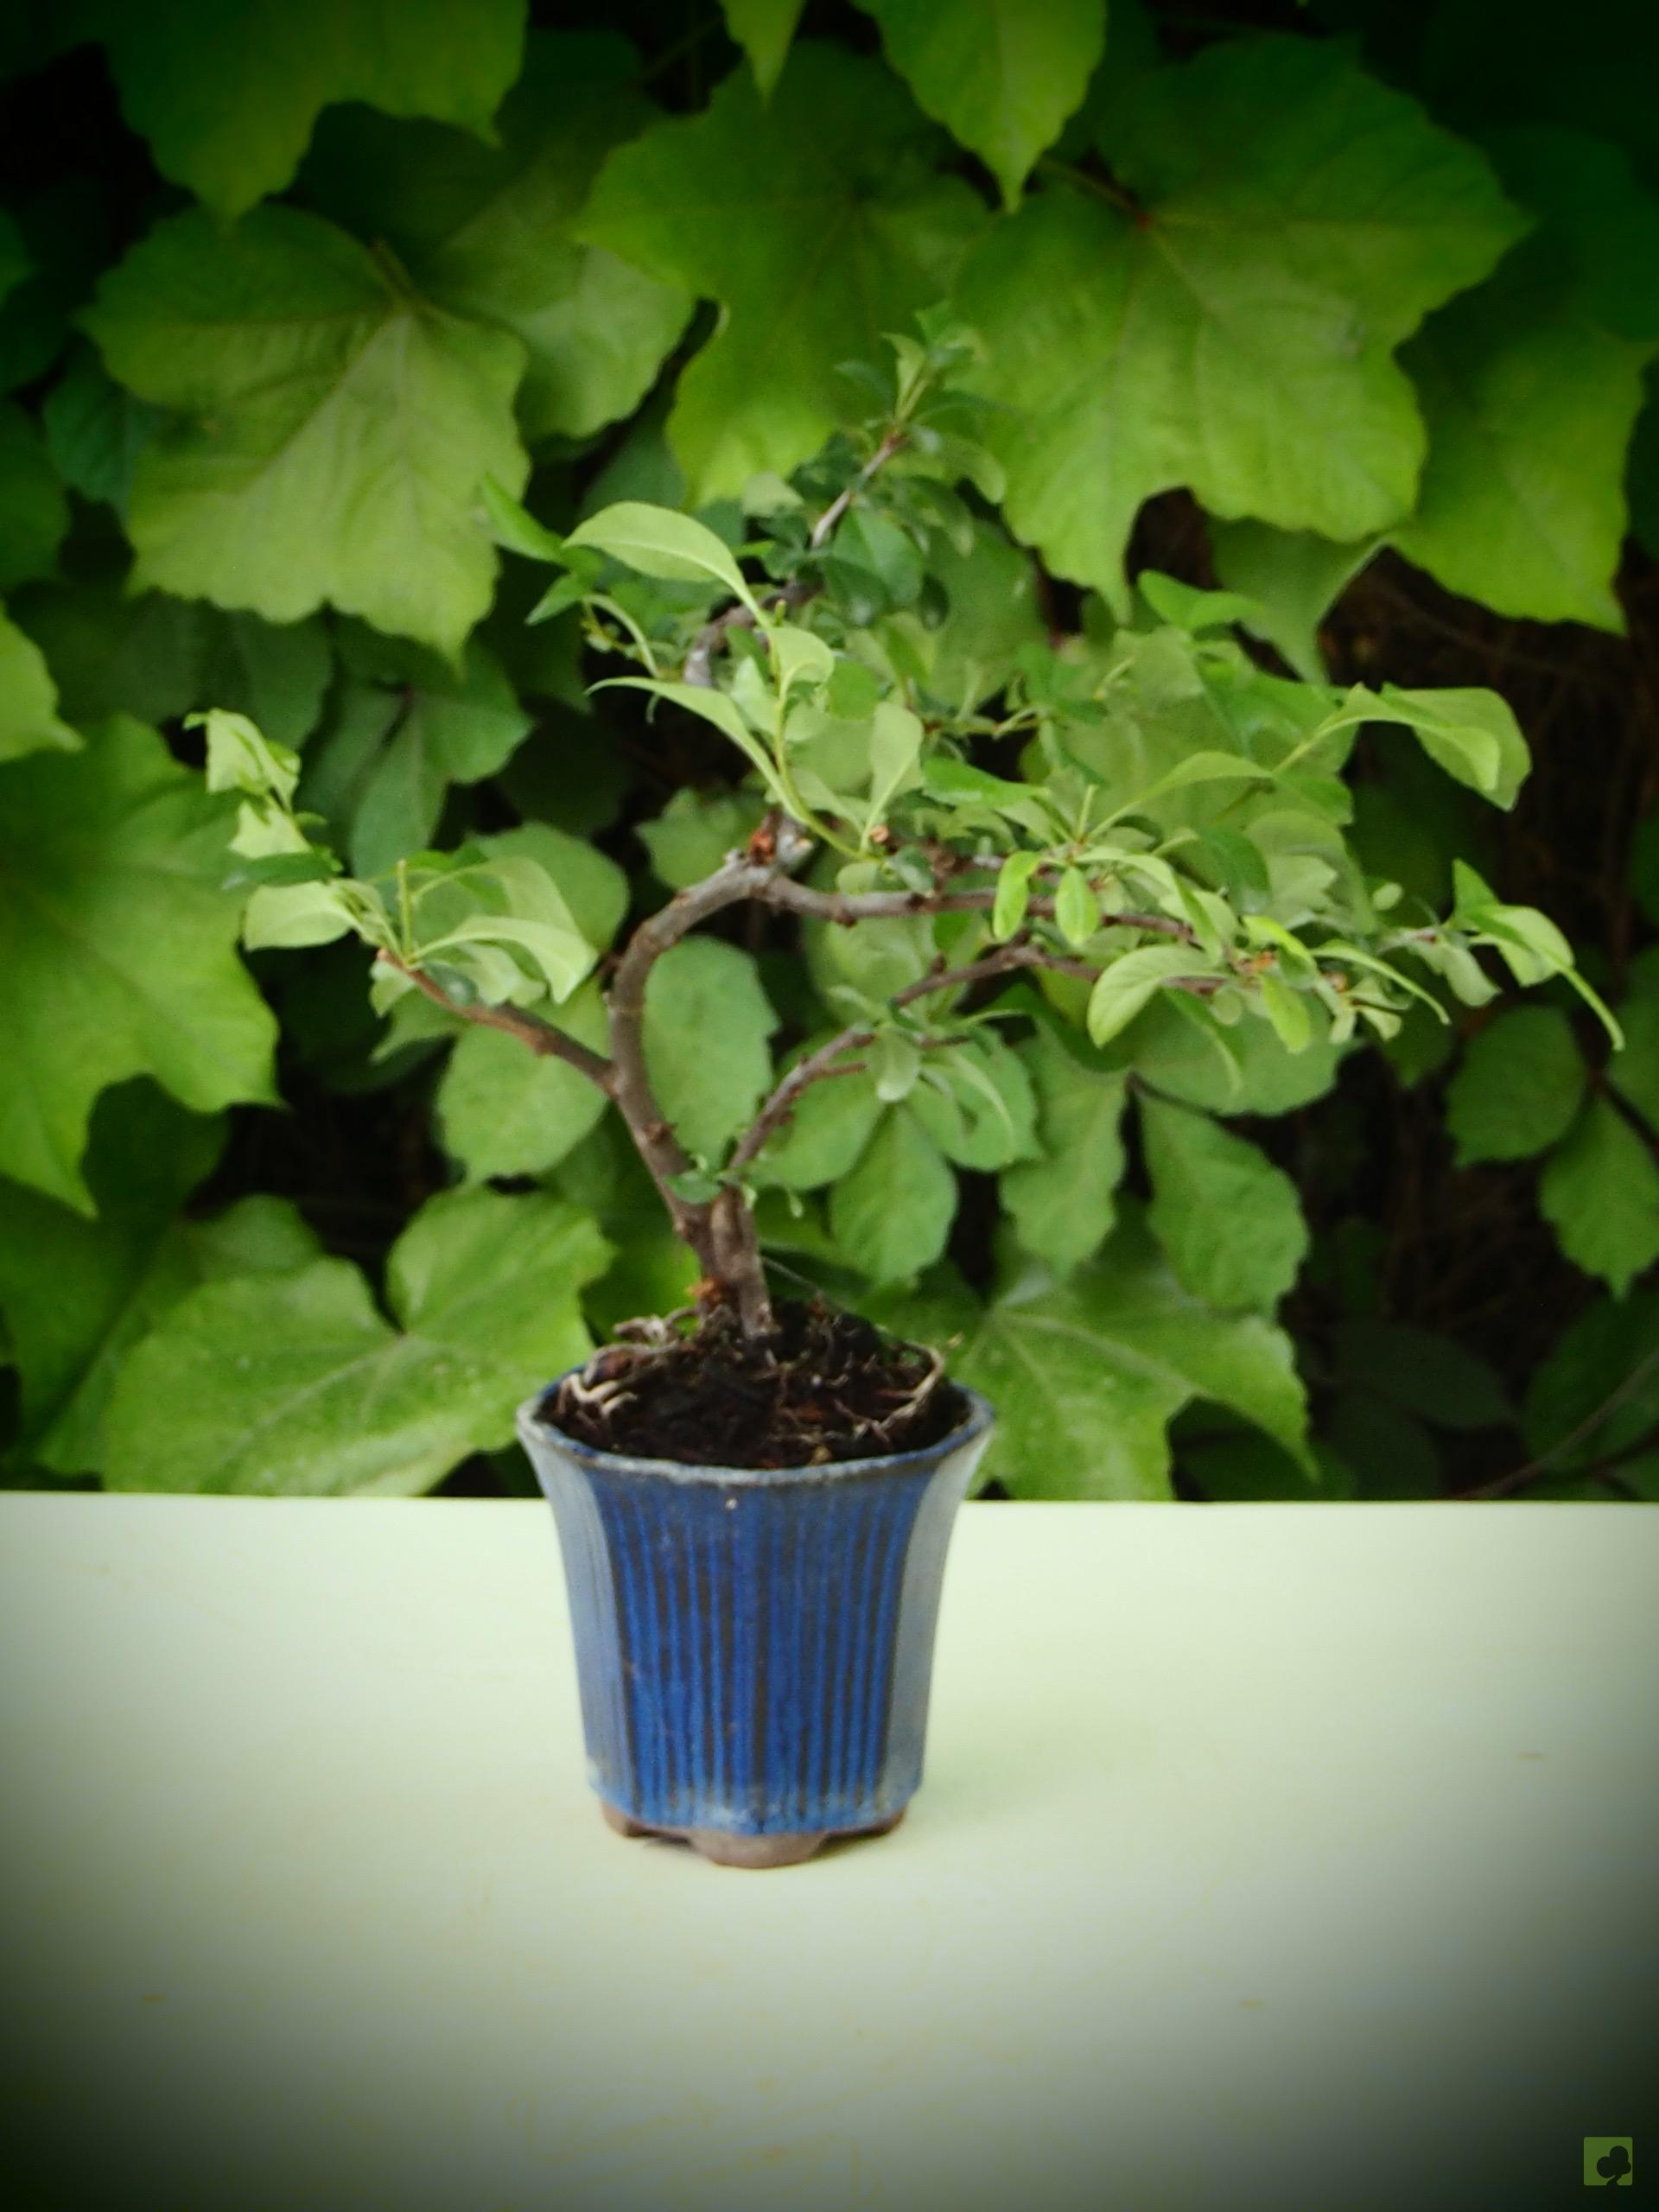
[(699, 662), (720, 1231), (821, 1065), (838, 507), (846, 908), (541, 1037)]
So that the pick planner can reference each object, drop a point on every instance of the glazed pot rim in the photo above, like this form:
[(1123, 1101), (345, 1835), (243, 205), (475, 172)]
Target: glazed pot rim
[(532, 1428)]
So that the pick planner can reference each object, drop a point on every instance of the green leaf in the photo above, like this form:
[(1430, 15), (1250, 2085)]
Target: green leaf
[(1086, 1376), (1521, 1086), (295, 1385), (1432, 1376), (31, 499), (442, 726), (485, 230), (94, 430), (978, 1104), (815, 223), (331, 432), (695, 831), (28, 700), (1296, 221), (1597, 1395), (1001, 78), (1014, 893), (1172, 1052), (288, 916), (1229, 1222), (890, 1215), (228, 97), (831, 1123), (117, 950), (1064, 1205), (1077, 910), (1472, 734), (1293, 579), (78, 1295), (1287, 1010), (1531, 386), (1126, 986), (659, 542), (764, 29), (1633, 1072), (593, 889), (1600, 1194), (708, 1023), (504, 1110)]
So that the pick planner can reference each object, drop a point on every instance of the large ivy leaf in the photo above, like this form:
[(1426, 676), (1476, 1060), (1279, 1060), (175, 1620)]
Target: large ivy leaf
[(1233, 329), (1064, 1204), (764, 29), (227, 96), (707, 1025), (405, 726), (1520, 1086), (503, 1110), (1086, 1376), (486, 230), (78, 1295), (1229, 1222), (95, 431), (29, 700), (297, 1385), (35, 512), (330, 433), (1531, 385), (157, 658), (1002, 76), (891, 1214), (117, 949), (815, 220), (1600, 1194)]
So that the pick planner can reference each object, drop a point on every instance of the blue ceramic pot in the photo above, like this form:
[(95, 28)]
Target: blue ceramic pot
[(754, 1646)]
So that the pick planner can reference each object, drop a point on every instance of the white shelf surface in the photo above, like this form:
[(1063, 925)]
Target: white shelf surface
[(1268, 1856)]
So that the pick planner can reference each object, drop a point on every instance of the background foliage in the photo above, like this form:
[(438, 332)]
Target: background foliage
[(1351, 310)]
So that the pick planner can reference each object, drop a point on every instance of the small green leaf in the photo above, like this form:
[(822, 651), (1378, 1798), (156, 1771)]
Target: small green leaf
[(1013, 892), (1287, 1010), (1077, 912), (514, 528), (1122, 990), (657, 541)]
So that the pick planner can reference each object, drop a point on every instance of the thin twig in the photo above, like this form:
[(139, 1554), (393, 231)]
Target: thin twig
[(529, 1029), (1519, 1476)]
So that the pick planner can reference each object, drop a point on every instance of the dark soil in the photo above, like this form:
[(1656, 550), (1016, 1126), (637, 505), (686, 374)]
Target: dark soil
[(826, 1386)]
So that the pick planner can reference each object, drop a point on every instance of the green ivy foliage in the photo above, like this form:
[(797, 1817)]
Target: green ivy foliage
[(336, 299)]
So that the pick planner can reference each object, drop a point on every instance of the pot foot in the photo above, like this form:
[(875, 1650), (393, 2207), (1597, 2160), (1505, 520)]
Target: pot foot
[(721, 1848), (724, 1849), (619, 1821)]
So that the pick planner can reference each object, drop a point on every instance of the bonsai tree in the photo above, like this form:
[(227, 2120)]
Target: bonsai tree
[(1130, 810)]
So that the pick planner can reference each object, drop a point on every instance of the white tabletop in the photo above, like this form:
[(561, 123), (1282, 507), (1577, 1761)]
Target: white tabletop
[(1277, 1856)]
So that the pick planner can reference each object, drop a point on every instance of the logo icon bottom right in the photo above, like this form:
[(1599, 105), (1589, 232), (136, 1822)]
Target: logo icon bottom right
[(1609, 2161)]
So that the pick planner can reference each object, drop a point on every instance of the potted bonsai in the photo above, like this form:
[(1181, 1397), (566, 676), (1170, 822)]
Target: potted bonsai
[(754, 1495)]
